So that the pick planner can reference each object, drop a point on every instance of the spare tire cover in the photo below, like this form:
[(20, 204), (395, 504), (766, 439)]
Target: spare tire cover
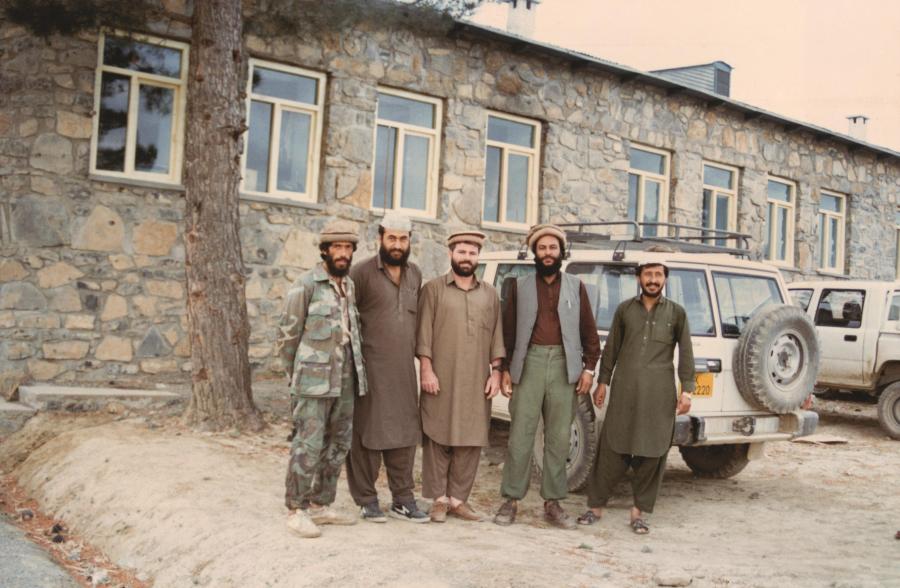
[(776, 360)]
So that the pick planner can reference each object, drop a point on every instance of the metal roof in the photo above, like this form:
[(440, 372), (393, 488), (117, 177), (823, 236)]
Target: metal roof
[(627, 74)]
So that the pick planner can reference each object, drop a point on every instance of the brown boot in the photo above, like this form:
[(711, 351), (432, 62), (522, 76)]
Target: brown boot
[(465, 512), (556, 516), (439, 512), (507, 513)]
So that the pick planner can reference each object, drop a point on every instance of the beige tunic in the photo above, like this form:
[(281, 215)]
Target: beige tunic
[(461, 331)]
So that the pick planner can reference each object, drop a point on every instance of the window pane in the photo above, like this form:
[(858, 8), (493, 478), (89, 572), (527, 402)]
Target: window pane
[(508, 272), (779, 191), (257, 174), (492, 185), (801, 298), (723, 205), (894, 312), (287, 86), (415, 172), (740, 297), (633, 182), (404, 110), (830, 203), (716, 176), (113, 122), (517, 189), (607, 287), (507, 131), (154, 132), (706, 214), (767, 235), (781, 234), (823, 241), (897, 218), (385, 158), (293, 151), (689, 289), (841, 308), (651, 206), (833, 245), (143, 57), (647, 161)]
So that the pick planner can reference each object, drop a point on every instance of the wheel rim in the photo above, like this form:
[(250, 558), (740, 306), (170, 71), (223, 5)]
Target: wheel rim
[(786, 362), (574, 446), (896, 410)]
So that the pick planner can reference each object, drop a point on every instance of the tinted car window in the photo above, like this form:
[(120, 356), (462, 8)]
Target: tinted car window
[(739, 296), (894, 312), (607, 286), (840, 308), (510, 271), (689, 289), (801, 298)]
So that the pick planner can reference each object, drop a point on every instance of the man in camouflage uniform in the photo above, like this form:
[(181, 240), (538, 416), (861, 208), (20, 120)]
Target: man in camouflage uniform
[(321, 350)]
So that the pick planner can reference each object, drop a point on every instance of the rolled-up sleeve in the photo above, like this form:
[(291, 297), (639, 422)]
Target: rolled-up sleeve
[(425, 329)]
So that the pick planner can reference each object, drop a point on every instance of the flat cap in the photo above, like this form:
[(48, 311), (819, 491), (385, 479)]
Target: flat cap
[(538, 231), (339, 231), (476, 237), (394, 221)]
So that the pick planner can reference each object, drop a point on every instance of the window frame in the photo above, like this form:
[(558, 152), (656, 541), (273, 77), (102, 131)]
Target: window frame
[(719, 191), (791, 224), (278, 105), (824, 225), (712, 313), (534, 152), (644, 175), (897, 235), (823, 295), (179, 113), (434, 136)]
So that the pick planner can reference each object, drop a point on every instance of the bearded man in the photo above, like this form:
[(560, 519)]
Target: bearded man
[(549, 326), (386, 420)]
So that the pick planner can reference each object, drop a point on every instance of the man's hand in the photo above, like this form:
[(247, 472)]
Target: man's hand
[(600, 395), (584, 383), (429, 381), (684, 404), (492, 388), (506, 384)]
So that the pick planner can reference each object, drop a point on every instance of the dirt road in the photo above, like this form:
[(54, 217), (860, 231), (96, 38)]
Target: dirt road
[(207, 509)]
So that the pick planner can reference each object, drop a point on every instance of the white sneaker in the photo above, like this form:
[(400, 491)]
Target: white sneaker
[(300, 523)]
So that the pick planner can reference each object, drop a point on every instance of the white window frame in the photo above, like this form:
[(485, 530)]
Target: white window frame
[(643, 176), (279, 105), (434, 147), (897, 231), (789, 233), (507, 149), (825, 240), (178, 115), (717, 191)]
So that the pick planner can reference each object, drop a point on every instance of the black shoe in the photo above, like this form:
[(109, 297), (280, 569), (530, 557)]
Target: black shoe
[(372, 512), (408, 512)]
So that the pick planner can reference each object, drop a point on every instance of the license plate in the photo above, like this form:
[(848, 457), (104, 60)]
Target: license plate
[(704, 386)]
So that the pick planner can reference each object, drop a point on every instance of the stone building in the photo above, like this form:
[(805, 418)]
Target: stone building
[(460, 127)]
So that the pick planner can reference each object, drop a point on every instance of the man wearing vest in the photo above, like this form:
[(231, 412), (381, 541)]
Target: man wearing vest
[(549, 326)]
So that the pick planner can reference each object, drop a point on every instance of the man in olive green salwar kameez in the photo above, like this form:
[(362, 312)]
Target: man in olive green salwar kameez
[(637, 431)]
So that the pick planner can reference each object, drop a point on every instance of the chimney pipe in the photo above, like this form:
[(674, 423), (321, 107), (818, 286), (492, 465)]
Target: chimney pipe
[(857, 128), (520, 17)]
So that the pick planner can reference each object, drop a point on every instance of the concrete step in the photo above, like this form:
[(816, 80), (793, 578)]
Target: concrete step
[(66, 398), (13, 416)]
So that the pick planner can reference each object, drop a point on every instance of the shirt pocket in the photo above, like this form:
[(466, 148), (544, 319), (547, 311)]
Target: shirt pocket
[(663, 331), (318, 321), (409, 298)]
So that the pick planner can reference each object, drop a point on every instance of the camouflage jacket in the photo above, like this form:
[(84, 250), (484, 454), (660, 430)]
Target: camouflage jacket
[(310, 333)]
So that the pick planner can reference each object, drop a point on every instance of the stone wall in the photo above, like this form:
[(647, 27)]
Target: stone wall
[(91, 271)]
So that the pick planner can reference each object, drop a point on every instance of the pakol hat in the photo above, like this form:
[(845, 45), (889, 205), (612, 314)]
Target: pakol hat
[(476, 237), (394, 221), (538, 231), (339, 231)]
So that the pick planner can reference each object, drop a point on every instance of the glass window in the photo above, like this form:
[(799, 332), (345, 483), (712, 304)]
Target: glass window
[(648, 182), (689, 289), (894, 312), (719, 209), (139, 109), (608, 285), (897, 248), (740, 296), (778, 244), (840, 308), (285, 126), (510, 187), (801, 298), (406, 142), (832, 221), (507, 272)]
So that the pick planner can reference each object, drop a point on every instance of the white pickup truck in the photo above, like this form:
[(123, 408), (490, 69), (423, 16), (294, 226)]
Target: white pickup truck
[(858, 323)]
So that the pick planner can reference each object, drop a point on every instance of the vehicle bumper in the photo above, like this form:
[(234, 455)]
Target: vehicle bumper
[(718, 430)]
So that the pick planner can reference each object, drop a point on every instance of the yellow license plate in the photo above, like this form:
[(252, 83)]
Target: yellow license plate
[(704, 385)]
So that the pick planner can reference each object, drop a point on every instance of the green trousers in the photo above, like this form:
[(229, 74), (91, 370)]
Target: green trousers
[(609, 469), (544, 390)]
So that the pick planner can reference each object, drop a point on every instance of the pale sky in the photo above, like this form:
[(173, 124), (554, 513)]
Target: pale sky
[(816, 61)]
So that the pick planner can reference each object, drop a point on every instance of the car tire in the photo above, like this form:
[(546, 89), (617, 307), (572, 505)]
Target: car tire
[(889, 410), (716, 461), (582, 447), (776, 359)]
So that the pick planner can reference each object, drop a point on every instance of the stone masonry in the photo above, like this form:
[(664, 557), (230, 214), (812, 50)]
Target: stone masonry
[(91, 270)]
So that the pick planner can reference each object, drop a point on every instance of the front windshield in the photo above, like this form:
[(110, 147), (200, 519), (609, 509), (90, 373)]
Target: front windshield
[(740, 296)]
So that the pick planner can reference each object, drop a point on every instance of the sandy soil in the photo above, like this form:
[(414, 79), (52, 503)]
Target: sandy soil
[(202, 509)]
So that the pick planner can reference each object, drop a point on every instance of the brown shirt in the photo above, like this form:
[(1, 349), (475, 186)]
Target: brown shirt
[(547, 329), (388, 416), (460, 330)]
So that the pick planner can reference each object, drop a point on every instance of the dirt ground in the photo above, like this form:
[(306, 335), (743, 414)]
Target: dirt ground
[(201, 509)]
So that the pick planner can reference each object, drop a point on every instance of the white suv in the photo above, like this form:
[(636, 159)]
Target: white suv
[(755, 355)]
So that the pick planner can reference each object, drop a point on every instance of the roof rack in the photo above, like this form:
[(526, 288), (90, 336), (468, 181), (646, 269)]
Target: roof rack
[(687, 238)]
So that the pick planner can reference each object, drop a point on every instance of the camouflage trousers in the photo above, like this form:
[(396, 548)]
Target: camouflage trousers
[(324, 427)]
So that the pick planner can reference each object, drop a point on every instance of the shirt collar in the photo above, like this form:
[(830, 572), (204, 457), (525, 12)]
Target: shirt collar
[(448, 279)]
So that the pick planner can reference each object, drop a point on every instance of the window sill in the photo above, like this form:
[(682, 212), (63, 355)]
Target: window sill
[(380, 212), (136, 182), (832, 274), (489, 226), (281, 201)]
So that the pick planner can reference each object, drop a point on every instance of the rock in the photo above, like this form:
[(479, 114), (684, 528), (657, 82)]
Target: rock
[(65, 299), (79, 321), (646, 549), (114, 348), (52, 153), (57, 274), (65, 349), (40, 222), (25, 514), (153, 345), (11, 271), (75, 126), (164, 288), (43, 370), (672, 578), (154, 237), (21, 296), (116, 307), (754, 496), (99, 577), (115, 408), (9, 383), (103, 231), (300, 250)]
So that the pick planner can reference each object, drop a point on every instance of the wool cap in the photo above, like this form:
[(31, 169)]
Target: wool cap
[(394, 221), (538, 231), (476, 237), (339, 231)]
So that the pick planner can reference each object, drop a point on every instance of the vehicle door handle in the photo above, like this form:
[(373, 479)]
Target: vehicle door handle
[(849, 337)]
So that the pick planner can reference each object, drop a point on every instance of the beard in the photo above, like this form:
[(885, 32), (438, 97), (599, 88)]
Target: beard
[(387, 257), (547, 270), (463, 272), (656, 294), (333, 269)]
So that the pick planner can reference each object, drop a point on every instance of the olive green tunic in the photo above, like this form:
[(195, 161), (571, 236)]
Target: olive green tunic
[(642, 397)]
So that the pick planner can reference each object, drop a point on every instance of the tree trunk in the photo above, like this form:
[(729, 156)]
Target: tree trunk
[(216, 305)]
